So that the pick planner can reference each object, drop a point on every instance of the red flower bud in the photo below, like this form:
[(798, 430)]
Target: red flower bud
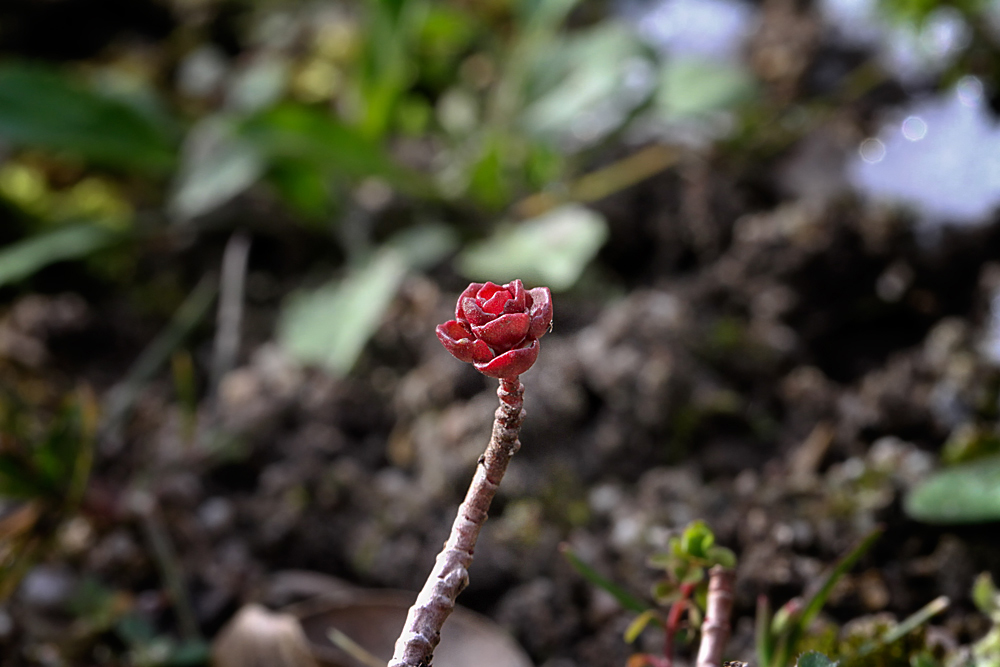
[(497, 327)]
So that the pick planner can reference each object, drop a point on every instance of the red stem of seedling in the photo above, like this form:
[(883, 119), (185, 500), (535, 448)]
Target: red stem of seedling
[(672, 626)]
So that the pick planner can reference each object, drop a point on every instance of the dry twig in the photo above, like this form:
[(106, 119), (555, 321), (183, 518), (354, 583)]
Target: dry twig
[(450, 575), (715, 628)]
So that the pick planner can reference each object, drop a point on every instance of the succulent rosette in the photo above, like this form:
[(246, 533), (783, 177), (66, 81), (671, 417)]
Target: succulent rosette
[(497, 327)]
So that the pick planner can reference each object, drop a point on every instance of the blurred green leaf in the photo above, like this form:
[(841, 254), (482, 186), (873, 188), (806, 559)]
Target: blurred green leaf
[(623, 597), (639, 624), (552, 249), (664, 560), (782, 639), (42, 108), (843, 566), (908, 625), (965, 493), (217, 165), (692, 87), (316, 138), (258, 84), (190, 653), (330, 326), (969, 443), (22, 259), (52, 467), (424, 245), (488, 183), (305, 189), (985, 594), (696, 539), (815, 659), (18, 481), (666, 592), (721, 556), (764, 639), (588, 84)]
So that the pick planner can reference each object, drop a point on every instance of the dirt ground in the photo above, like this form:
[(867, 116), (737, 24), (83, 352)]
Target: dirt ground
[(758, 381), (781, 361)]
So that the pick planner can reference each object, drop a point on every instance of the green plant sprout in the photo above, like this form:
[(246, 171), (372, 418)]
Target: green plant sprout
[(986, 651), (683, 592), (46, 473), (779, 637)]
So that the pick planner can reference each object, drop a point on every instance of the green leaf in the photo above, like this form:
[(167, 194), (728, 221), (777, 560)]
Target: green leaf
[(909, 624), (815, 659), (985, 594), (18, 481), (717, 555), (694, 575), (696, 539), (331, 325), (796, 624), (843, 566), (41, 108), (190, 653), (487, 179), (665, 592), (304, 189), (623, 597), (586, 84), (663, 561), (923, 659), (788, 614), (22, 259), (965, 493), (692, 87), (764, 639), (217, 165), (639, 624), (552, 249), (424, 245), (300, 133)]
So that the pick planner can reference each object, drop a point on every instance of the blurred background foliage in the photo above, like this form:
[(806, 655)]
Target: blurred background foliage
[(351, 121), (361, 142), (147, 147)]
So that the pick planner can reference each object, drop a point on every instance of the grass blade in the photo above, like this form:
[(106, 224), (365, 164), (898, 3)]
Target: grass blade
[(623, 597)]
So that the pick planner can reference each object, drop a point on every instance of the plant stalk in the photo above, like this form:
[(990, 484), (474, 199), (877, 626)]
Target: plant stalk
[(673, 625), (715, 628), (422, 631)]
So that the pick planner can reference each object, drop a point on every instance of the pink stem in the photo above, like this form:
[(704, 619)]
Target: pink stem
[(673, 624), (422, 631), (715, 628)]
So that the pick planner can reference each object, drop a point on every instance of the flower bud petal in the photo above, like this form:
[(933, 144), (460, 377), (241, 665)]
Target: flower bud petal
[(504, 332), (457, 340), (469, 293), (487, 291), (517, 303), (495, 304), (540, 312), (511, 364), (474, 314)]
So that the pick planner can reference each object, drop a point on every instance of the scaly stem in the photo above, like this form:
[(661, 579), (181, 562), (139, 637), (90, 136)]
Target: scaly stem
[(715, 628), (422, 631)]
